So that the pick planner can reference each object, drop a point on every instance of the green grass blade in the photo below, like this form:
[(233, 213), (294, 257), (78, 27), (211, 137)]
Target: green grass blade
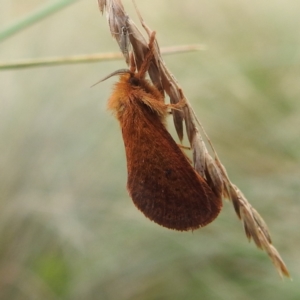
[(33, 17)]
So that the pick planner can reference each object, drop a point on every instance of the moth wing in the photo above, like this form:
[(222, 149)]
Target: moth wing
[(161, 181)]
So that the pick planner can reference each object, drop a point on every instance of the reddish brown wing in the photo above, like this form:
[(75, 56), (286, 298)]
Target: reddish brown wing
[(161, 181)]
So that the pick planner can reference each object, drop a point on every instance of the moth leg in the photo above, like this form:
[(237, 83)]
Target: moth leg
[(179, 105), (184, 147)]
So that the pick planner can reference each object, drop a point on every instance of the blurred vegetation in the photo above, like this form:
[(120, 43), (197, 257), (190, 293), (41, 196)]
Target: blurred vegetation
[(68, 229)]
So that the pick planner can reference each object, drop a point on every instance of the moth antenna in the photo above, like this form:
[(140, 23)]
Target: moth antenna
[(118, 72), (147, 61)]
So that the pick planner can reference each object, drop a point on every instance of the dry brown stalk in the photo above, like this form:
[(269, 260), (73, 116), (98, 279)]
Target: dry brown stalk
[(88, 58), (209, 166)]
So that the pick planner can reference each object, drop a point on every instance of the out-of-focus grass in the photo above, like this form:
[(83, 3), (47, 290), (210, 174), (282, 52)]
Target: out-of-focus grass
[(68, 229), (33, 17)]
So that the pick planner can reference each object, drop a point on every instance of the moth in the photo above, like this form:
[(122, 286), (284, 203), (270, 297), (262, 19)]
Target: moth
[(161, 180)]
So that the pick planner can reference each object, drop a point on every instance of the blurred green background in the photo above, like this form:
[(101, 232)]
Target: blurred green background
[(68, 229)]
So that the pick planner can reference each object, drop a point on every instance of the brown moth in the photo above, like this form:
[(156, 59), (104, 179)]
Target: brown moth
[(161, 181)]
